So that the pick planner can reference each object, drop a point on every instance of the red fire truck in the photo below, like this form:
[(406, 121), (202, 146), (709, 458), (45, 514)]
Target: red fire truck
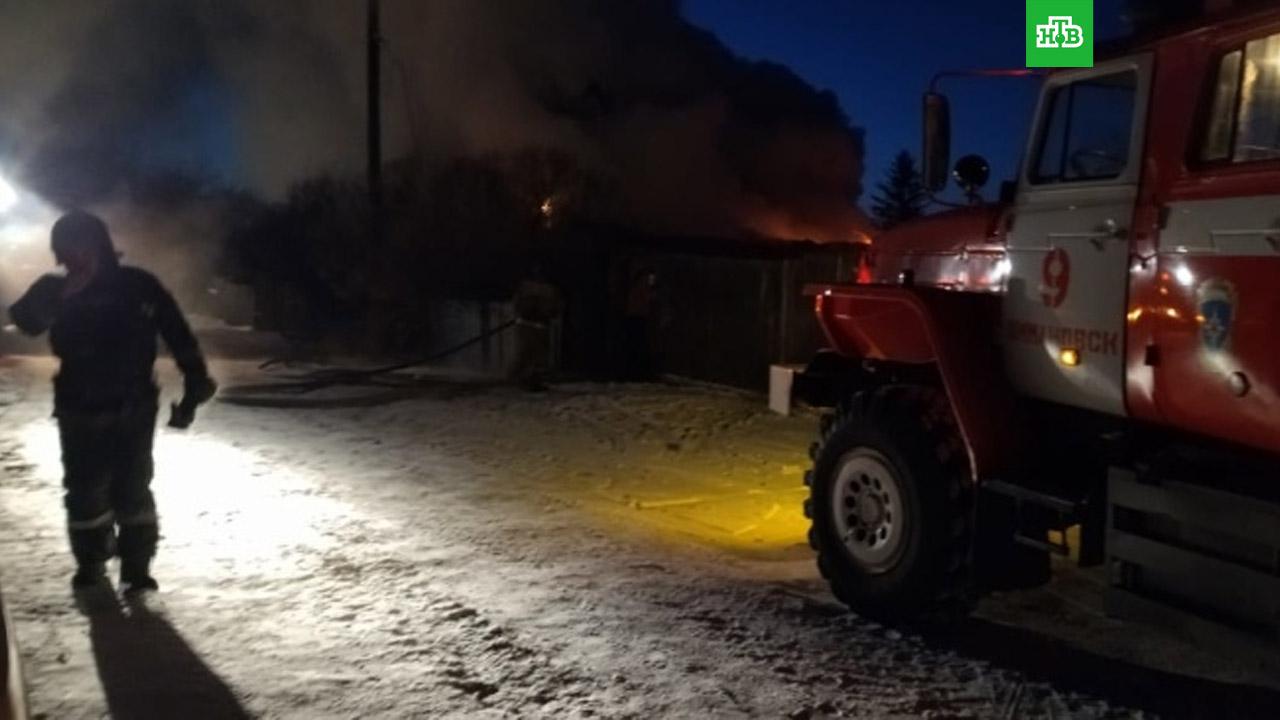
[(1100, 349)]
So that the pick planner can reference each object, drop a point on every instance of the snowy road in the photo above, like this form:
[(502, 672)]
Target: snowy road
[(451, 549)]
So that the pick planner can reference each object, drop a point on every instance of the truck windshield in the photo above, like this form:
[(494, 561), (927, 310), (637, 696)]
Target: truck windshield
[(1087, 130)]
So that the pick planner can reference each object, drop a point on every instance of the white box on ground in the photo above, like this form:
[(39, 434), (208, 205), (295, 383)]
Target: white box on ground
[(780, 379)]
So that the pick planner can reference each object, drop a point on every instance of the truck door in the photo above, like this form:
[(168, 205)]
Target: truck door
[(1068, 243), (1216, 298)]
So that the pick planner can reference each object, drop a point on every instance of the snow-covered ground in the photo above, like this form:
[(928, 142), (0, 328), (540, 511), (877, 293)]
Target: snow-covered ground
[(445, 547)]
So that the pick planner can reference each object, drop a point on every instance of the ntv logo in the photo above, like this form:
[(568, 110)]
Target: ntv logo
[(1059, 32)]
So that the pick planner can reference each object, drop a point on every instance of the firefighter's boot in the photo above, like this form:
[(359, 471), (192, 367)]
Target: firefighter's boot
[(92, 546), (137, 545), (89, 574), (135, 575)]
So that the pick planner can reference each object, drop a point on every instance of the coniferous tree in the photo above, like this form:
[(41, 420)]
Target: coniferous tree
[(901, 196)]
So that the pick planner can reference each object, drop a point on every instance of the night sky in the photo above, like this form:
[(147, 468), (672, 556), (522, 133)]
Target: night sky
[(878, 57)]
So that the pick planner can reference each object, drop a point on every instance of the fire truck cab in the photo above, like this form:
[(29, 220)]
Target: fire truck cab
[(1101, 349)]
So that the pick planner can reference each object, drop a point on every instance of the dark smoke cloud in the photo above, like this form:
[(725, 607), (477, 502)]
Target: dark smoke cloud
[(108, 91), (100, 95), (152, 112), (700, 141)]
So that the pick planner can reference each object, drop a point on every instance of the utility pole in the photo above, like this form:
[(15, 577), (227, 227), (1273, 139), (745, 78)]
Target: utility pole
[(375, 115)]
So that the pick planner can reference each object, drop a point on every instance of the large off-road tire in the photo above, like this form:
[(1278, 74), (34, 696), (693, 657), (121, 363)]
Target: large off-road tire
[(891, 505)]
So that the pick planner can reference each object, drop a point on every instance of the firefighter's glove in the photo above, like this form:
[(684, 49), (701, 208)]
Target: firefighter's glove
[(195, 392)]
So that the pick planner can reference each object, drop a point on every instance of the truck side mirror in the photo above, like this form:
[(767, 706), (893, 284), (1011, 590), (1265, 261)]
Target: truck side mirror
[(937, 141)]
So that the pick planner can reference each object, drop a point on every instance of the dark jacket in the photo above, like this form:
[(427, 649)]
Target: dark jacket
[(105, 336)]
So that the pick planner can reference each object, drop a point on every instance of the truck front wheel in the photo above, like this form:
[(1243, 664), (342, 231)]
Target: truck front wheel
[(890, 505)]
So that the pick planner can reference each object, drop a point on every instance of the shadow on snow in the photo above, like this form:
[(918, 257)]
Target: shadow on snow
[(146, 667)]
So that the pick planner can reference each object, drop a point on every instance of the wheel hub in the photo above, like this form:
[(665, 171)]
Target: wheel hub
[(868, 508), (871, 511)]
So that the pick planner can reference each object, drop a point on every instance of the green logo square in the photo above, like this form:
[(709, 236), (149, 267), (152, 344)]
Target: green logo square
[(1059, 33)]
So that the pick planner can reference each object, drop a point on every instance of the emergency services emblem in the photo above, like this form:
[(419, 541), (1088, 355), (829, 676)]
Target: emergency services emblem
[(1216, 308)]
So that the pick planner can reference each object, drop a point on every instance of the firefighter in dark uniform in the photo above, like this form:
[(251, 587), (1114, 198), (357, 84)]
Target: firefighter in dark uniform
[(537, 304), (103, 319)]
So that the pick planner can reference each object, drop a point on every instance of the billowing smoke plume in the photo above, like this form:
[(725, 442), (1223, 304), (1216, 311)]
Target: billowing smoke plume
[(101, 97), (152, 112), (699, 141), (100, 93)]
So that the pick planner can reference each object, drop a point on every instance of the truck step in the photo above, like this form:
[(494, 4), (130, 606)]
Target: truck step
[(1060, 513), (1057, 548), (1199, 551), (1025, 495)]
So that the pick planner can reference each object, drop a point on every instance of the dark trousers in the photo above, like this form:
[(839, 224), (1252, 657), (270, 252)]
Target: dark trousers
[(533, 353), (637, 359), (106, 460)]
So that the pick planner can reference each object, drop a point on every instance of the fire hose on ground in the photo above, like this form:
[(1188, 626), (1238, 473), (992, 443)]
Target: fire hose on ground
[(348, 376)]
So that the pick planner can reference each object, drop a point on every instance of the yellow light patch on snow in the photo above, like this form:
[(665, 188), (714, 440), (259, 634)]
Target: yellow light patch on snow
[(744, 514)]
